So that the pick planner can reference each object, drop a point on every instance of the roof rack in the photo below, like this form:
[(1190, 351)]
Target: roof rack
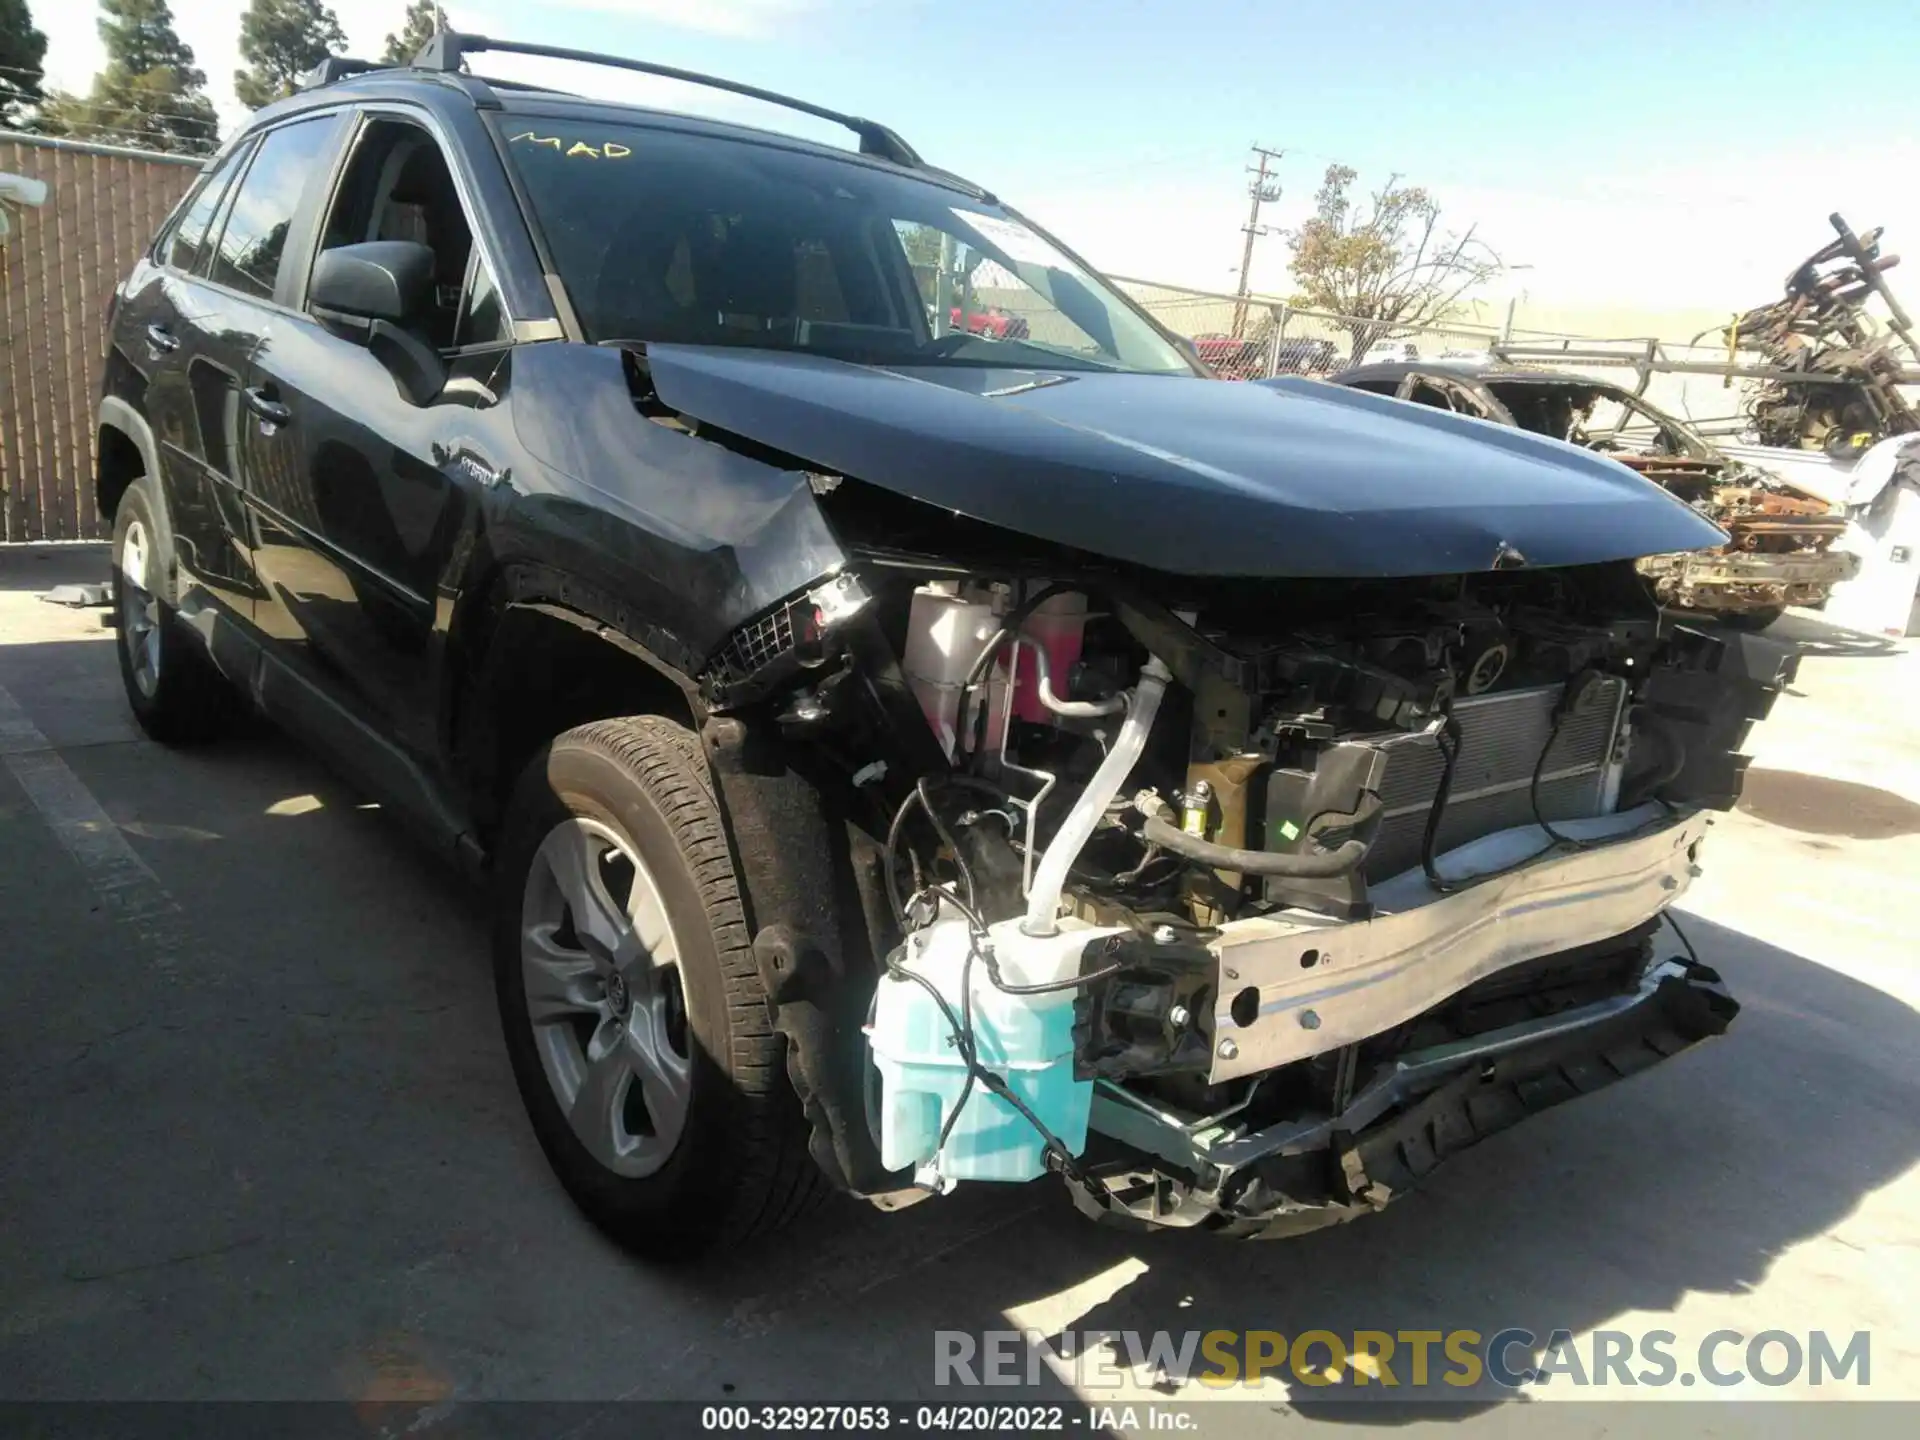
[(337, 67), (445, 51)]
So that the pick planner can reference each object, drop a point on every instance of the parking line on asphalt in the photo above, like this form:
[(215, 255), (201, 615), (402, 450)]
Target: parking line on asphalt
[(116, 873)]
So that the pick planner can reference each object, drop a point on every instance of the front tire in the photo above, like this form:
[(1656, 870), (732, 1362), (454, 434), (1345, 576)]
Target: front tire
[(633, 1011), (175, 693)]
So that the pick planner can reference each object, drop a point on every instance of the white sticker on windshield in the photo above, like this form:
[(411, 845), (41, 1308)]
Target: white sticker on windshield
[(1015, 240)]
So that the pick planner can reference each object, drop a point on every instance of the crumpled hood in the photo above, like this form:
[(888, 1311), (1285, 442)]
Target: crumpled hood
[(1199, 477)]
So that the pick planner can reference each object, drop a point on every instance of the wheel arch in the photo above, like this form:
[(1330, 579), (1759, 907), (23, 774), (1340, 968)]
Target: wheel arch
[(535, 653), (809, 878), (125, 450)]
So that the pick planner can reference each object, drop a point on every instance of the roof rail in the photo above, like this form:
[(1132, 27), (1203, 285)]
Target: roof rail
[(446, 50), (337, 67)]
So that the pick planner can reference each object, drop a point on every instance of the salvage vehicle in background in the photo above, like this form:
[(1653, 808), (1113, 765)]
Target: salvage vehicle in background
[(1385, 352), (1840, 372), (1247, 359), (1306, 357), (1231, 357), (899, 758), (1780, 540)]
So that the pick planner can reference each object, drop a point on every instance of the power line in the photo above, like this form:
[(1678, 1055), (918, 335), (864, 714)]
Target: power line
[(49, 92), (159, 141), (12, 92), (1262, 192), (184, 119)]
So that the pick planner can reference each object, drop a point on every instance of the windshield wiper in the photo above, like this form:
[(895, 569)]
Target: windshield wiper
[(989, 356)]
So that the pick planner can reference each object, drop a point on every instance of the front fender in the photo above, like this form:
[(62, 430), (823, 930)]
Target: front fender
[(702, 534)]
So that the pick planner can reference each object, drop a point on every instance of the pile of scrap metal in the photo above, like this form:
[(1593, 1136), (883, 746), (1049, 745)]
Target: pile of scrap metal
[(1779, 549), (1822, 328)]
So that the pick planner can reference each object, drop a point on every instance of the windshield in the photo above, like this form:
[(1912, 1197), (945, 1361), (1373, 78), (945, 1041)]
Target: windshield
[(669, 237)]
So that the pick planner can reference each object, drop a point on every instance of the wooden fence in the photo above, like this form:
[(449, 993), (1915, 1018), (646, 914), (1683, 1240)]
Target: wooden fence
[(60, 264)]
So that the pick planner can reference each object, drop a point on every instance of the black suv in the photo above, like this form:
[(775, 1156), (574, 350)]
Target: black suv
[(902, 747)]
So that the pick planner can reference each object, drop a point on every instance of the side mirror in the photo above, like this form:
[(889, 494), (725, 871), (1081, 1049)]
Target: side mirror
[(389, 280), (378, 289)]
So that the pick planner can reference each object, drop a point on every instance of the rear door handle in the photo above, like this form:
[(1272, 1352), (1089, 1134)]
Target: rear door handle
[(160, 339), (266, 407)]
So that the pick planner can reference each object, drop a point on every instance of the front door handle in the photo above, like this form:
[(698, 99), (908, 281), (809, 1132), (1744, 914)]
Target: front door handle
[(161, 340), (266, 407)]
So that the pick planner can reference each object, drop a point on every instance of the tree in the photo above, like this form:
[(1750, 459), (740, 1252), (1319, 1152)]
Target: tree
[(1385, 263), (281, 40), (22, 51), (424, 19), (149, 95), (140, 38)]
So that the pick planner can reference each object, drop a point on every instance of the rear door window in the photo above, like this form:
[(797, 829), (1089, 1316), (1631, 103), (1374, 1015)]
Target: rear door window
[(254, 240), (186, 242)]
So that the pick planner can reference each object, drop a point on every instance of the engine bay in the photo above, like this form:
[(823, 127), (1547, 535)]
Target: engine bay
[(1102, 804)]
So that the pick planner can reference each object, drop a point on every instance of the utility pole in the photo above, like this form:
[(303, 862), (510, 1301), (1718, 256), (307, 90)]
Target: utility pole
[(1262, 192)]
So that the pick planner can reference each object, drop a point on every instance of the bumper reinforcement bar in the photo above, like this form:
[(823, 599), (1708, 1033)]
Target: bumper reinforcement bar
[(1428, 1105)]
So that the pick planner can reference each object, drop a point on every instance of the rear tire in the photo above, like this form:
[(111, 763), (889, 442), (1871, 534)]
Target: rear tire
[(176, 694), (633, 1011)]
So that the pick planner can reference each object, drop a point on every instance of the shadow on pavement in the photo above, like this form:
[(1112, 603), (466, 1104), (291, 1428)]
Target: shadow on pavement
[(1821, 805), (1818, 637), (41, 567)]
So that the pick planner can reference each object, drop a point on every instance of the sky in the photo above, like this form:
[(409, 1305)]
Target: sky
[(1650, 154)]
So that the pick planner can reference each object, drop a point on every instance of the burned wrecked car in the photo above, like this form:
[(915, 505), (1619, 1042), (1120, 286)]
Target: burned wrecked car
[(1780, 540), (895, 756)]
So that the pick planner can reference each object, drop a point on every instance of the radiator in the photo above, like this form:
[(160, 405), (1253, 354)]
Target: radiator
[(1500, 740)]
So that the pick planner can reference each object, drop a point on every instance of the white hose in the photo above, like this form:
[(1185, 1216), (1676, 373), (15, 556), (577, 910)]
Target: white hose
[(1043, 901)]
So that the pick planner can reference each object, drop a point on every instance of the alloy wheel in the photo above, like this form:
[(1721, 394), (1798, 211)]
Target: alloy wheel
[(601, 969), (139, 608)]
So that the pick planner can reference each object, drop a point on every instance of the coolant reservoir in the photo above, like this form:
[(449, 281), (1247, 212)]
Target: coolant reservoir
[(945, 634), (1057, 627), (1026, 1039)]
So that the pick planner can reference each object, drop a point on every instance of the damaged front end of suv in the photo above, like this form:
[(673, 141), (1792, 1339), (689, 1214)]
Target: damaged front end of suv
[(1230, 799), (1233, 833)]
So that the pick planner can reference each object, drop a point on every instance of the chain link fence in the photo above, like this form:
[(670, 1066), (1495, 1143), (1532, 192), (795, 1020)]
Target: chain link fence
[(1254, 337), (58, 266)]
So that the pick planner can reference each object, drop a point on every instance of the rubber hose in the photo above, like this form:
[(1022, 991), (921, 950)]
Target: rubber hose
[(1326, 865)]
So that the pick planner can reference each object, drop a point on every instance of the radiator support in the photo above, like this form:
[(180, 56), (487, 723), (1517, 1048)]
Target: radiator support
[(1391, 779)]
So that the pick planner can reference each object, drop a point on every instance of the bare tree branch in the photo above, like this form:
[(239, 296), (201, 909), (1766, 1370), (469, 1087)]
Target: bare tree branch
[(1388, 264)]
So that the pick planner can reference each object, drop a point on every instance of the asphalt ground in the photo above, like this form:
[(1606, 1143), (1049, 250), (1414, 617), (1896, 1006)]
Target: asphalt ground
[(259, 1139)]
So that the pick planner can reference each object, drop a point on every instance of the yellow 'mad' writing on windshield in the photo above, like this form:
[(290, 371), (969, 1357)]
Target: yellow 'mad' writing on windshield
[(608, 150)]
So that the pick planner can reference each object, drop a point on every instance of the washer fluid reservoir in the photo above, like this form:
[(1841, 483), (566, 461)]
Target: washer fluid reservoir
[(1025, 1039)]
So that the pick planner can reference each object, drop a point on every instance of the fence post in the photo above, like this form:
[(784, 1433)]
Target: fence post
[(1279, 313)]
